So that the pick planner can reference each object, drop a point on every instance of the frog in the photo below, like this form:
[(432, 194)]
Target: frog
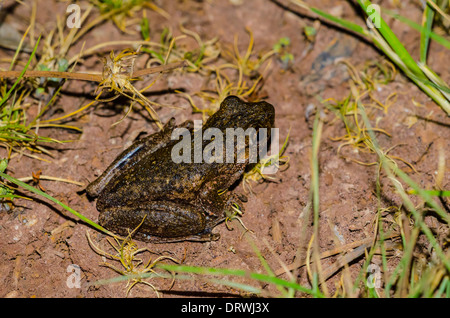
[(146, 192)]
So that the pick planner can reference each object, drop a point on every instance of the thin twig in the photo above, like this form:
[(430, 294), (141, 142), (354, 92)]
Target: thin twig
[(91, 76), (48, 74), (26, 179)]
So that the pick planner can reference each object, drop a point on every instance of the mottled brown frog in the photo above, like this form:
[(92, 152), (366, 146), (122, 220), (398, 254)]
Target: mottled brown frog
[(174, 201)]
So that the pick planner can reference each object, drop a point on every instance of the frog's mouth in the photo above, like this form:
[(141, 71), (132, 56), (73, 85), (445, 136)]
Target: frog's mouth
[(256, 146)]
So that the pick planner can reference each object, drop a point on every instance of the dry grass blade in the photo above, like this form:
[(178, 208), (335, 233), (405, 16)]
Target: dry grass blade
[(126, 254), (354, 249), (91, 76)]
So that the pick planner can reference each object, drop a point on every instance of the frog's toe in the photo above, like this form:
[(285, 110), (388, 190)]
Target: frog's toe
[(235, 201)]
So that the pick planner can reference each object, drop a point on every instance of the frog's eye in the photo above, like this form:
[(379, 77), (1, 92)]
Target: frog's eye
[(232, 101), (170, 124)]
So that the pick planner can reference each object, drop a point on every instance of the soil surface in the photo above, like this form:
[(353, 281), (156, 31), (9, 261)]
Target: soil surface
[(40, 240)]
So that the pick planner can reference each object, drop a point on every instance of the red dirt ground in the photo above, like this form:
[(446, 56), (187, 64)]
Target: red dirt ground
[(40, 240)]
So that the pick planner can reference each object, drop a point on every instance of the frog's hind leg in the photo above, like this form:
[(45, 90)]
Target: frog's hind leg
[(206, 236), (160, 222)]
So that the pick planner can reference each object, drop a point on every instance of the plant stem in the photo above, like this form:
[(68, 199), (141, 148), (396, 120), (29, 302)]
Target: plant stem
[(45, 195), (90, 76)]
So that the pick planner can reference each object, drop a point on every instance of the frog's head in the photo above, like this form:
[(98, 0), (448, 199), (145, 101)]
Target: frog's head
[(235, 113)]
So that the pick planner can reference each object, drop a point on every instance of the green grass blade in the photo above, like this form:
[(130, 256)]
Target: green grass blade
[(344, 23), (436, 193), (240, 273), (437, 82), (423, 30), (223, 282), (387, 41), (391, 172), (427, 23), (405, 61), (45, 195), (394, 42), (5, 98), (444, 286)]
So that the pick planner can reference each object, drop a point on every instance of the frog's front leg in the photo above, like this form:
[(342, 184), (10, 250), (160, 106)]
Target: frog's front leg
[(161, 222), (214, 196)]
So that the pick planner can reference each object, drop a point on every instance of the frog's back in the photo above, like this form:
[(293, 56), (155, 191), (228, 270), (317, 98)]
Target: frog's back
[(157, 177)]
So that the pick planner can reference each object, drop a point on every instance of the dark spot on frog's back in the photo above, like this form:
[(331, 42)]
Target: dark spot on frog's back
[(177, 201)]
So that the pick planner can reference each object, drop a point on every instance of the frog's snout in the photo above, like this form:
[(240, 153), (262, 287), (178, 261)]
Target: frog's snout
[(269, 112), (261, 115)]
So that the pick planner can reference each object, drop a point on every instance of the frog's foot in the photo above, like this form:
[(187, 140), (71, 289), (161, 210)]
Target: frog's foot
[(202, 237), (234, 205)]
